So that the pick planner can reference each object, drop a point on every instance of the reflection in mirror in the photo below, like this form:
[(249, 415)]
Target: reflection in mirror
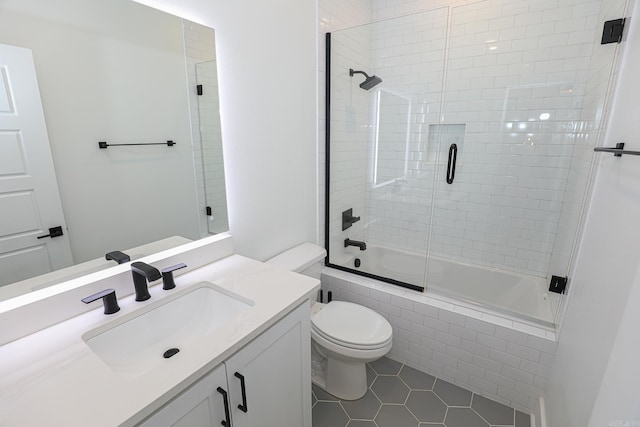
[(391, 137), (106, 71), (210, 137)]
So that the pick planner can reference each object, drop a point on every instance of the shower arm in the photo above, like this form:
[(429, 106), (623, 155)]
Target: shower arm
[(352, 72)]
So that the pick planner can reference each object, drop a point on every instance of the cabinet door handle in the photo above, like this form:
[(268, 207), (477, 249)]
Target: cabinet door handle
[(451, 164), (225, 398), (242, 407)]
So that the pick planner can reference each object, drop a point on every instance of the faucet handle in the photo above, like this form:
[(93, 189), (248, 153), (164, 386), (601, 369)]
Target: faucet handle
[(109, 300), (167, 276), (117, 256)]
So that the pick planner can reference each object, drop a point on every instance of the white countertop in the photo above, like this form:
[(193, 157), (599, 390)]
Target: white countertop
[(52, 378)]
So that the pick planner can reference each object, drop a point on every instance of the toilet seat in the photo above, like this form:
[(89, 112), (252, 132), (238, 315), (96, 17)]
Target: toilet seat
[(352, 326)]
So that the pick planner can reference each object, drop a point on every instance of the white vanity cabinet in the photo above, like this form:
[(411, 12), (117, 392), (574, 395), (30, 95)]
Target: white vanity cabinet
[(267, 383), (199, 405)]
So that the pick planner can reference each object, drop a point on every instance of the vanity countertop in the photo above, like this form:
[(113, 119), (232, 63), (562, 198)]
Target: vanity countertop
[(52, 377)]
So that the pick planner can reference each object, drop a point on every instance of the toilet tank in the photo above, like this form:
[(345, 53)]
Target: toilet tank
[(307, 259)]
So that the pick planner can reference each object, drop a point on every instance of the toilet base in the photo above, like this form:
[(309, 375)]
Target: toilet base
[(348, 383), (346, 380)]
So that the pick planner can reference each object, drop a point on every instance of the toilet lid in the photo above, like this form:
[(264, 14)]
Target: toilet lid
[(351, 324)]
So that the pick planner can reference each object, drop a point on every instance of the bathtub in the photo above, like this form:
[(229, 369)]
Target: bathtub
[(498, 291), (486, 330)]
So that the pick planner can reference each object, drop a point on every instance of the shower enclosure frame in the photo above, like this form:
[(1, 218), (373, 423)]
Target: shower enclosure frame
[(327, 177)]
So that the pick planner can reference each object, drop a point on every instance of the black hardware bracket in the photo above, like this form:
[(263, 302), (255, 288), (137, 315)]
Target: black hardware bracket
[(53, 232), (558, 284), (199, 90), (103, 144), (612, 31)]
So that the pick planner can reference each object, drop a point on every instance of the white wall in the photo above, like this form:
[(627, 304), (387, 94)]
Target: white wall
[(99, 67), (594, 379), (267, 74)]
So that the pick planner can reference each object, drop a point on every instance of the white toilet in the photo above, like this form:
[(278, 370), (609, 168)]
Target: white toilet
[(344, 336)]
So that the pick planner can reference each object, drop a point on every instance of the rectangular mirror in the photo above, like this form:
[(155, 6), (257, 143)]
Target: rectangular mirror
[(114, 71)]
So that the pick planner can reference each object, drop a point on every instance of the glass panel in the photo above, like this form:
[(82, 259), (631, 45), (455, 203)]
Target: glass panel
[(382, 162), (488, 174), (520, 94), (211, 137)]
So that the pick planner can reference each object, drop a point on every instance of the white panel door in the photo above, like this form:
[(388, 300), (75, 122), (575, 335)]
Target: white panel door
[(274, 370), (200, 405), (29, 196)]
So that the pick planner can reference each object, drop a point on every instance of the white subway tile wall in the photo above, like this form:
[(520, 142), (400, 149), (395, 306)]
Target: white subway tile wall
[(334, 15), (516, 74), (503, 363)]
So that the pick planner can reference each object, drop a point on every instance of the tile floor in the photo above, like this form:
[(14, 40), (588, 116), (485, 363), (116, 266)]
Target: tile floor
[(400, 396)]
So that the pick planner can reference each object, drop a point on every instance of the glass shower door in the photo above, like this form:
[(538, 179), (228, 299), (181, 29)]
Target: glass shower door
[(382, 163)]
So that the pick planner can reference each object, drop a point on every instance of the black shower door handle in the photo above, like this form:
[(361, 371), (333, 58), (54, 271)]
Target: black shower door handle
[(451, 164)]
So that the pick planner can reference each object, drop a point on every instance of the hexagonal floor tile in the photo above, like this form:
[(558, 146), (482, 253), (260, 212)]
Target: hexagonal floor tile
[(492, 411), (313, 399), (360, 423), (329, 414), (364, 408), (394, 416), (386, 366), (390, 389), (323, 395), (463, 417), (426, 406), (371, 375), (417, 380), (451, 394)]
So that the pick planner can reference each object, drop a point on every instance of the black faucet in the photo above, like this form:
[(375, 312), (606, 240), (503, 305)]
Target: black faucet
[(117, 256), (141, 273), (361, 245)]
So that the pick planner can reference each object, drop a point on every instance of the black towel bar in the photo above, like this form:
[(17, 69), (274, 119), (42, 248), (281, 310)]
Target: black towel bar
[(103, 144), (617, 150)]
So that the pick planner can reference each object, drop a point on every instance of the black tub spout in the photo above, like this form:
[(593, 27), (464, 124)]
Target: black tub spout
[(361, 245)]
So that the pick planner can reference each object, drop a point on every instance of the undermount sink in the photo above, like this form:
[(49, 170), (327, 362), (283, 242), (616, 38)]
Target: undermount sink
[(134, 345)]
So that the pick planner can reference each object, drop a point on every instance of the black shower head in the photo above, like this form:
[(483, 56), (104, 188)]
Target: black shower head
[(369, 82)]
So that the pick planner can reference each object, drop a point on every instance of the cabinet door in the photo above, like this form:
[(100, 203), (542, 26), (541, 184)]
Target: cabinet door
[(200, 405), (276, 371)]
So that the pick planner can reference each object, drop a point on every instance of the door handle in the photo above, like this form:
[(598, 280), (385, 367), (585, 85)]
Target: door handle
[(451, 164), (225, 398), (53, 232), (242, 407)]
